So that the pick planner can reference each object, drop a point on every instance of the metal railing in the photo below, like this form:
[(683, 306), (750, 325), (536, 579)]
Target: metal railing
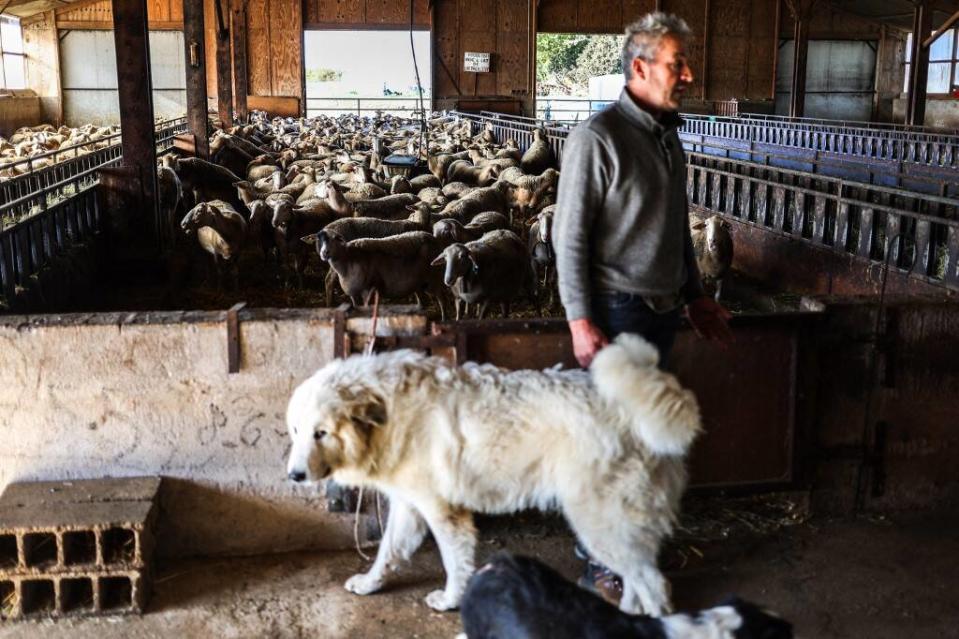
[(63, 172), (848, 124), (49, 209), (940, 150), (931, 180), (845, 216), (923, 246), (359, 105)]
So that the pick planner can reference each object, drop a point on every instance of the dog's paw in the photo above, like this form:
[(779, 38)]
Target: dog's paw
[(363, 584), (441, 602)]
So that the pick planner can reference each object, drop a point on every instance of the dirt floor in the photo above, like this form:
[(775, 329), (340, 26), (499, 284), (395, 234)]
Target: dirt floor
[(866, 577)]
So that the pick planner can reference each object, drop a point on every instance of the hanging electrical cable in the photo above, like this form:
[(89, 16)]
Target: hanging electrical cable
[(419, 87)]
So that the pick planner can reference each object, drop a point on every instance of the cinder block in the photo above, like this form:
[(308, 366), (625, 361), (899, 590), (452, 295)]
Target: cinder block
[(76, 548)]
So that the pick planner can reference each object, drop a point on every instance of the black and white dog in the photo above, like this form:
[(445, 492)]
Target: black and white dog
[(514, 597)]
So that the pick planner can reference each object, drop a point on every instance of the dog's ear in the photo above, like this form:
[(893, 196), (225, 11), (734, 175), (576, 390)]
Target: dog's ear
[(367, 408)]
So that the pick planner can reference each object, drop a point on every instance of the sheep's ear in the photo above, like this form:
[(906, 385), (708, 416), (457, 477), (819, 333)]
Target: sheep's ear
[(309, 239), (241, 184), (441, 259), (698, 226)]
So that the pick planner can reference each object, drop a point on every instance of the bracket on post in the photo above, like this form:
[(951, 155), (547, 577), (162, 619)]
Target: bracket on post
[(233, 337)]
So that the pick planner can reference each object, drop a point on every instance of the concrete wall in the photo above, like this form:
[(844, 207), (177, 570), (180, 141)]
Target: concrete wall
[(840, 77), (89, 73), (86, 396), (18, 109), (941, 113)]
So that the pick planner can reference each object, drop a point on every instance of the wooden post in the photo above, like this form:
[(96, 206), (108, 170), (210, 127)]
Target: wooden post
[(801, 11), (238, 35), (224, 71), (196, 97), (138, 137), (919, 67)]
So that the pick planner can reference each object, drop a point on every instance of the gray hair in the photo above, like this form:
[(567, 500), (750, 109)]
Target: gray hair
[(644, 36)]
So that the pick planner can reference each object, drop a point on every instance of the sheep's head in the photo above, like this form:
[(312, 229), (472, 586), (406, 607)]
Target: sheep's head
[(259, 212), (200, 215), (458, 261), (329, 245), (716, 230), (449, 231), (282, 216)]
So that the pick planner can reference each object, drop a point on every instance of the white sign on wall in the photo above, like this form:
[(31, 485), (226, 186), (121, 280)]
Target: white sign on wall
[(475, 62)]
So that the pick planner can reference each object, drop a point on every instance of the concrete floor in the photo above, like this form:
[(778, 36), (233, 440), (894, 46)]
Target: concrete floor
[(866, 577)]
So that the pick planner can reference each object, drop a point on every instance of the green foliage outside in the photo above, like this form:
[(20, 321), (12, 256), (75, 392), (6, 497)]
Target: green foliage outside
[(323, 75), (566, 61)]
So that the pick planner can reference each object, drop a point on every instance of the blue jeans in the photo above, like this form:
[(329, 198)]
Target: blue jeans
[(615, 312)]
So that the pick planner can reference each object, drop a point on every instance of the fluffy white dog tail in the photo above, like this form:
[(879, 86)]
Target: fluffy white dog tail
[(661, 413)]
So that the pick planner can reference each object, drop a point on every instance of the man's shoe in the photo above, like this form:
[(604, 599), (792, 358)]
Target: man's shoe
[(602, 581)]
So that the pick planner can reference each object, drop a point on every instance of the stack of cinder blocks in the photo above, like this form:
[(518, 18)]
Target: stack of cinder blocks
[(76, 547)]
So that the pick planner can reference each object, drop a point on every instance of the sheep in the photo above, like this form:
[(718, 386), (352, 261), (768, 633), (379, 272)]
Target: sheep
[(539, 156), (353, 228), (522, 598), (494, 268), (390, 207), (290, 224), (220, 231), (261, 227), (490, 198), (169, 194), (453, 230), (260, 167), (541, 249), (395, 266), (432, 195), (206, 181), (463, 171), (456, 189), (533, 192), (713, 246), (421, 182)]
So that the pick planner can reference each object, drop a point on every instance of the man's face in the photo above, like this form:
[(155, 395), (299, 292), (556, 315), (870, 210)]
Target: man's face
[(662, 81)]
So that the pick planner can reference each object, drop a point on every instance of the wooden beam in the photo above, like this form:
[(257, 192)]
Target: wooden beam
[(138, 139), (194, 42), (802, 12), (224, 70), (919, 66), (238, 35), (945, 26)]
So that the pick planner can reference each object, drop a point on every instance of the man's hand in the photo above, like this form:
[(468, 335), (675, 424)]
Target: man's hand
[(587, 340), (708, 318)]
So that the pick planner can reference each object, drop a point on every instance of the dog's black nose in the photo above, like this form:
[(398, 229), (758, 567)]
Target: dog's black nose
[(297, 475)]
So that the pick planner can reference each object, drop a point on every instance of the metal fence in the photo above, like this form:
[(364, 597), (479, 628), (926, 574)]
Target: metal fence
[(64, 172), (350, 105), (49, 209), (939, 150), (918, 232)]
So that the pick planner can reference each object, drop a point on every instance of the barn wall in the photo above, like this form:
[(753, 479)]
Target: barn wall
[(332, 14), (162, 14), (42, 47)]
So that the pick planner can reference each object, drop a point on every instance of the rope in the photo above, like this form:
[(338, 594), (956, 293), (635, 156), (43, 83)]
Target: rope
[(376, 314), (356, 526)]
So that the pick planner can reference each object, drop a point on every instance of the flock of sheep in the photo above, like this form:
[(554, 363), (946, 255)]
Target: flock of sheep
[(35, 142), (472, 231)]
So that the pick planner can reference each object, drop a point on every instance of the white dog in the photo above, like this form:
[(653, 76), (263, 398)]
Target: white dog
[(606, 447)]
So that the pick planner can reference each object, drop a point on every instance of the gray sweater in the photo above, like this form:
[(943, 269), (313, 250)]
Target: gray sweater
[(621, 217)]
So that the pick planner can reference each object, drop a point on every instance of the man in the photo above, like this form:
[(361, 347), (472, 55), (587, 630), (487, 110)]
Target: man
[(624, 254)]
